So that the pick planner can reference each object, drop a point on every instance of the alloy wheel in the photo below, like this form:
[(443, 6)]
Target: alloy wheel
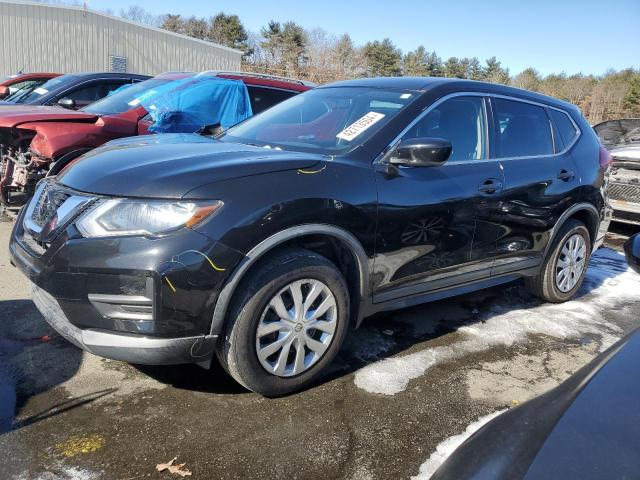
[(571, 263), (296, 328)]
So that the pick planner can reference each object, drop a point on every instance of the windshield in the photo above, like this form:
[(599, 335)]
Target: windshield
[(327, 120), (125, 98), (41, 90)]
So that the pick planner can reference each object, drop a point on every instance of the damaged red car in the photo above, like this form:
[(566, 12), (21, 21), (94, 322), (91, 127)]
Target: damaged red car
[(39, 141)]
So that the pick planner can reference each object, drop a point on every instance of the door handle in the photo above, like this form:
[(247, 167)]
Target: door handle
[(565, 175), (490, 186)]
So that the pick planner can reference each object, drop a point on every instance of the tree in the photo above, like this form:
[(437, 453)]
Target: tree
[(136, 13), (285, 46), (173, 23), (474, 69), (529, 79), (196, 28), (228, 30), (346, 58), (494, 73), (434, 65), (415, 63), (454, 68), (631, 101), (383, 59)]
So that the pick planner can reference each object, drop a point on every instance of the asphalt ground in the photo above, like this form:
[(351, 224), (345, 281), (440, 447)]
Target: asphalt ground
[(403, 384)]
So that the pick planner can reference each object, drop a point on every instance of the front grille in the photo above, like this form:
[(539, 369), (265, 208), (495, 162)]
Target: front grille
[(51, 209), (624, 191), (47, 204)]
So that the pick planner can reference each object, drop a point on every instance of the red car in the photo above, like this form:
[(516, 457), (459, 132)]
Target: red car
[(22, 81), (40, 141)]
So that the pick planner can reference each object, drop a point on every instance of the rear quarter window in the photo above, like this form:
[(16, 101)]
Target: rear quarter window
[(523, 129), (565, 130)]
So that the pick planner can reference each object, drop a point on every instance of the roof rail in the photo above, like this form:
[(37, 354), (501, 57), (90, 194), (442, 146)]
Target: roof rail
[(259, 75)]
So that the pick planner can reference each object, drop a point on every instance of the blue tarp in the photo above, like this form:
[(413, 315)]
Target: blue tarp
[(185, 106)]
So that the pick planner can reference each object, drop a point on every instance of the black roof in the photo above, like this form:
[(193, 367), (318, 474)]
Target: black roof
[(429, 83), (109, 75)]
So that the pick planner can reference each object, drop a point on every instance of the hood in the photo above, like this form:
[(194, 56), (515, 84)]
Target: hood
[(14, 115), (616, 133), (171, 165)]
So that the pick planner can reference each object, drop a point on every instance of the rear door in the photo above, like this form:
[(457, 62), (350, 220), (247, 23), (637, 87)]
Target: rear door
[(540, 176), (435, 223)]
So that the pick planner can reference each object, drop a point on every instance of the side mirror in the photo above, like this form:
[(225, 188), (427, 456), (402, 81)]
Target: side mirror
[(632, 252), (421, 152), (67, 103), (4, 92)]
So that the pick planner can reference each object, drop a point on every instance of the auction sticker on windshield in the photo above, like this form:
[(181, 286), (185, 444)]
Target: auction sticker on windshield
[(360, 125)]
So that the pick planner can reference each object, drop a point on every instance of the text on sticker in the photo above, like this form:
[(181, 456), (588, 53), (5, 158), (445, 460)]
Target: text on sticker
[(360, 125)]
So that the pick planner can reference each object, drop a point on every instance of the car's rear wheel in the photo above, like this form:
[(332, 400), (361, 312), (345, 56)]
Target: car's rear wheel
[(286, 324), (565, 266)]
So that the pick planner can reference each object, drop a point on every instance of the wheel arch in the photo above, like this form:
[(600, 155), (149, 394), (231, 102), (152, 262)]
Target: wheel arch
[(586, 213), (300, 234)]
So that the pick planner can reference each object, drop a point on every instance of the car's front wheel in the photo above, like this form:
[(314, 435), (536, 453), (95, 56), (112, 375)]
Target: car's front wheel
[(286, 324)]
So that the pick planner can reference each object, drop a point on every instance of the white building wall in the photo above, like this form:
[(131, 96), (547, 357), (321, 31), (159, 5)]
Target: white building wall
[(50, 38)]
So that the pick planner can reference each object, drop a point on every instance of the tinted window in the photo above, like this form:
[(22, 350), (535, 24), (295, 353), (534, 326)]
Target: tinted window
[(565, 131), (262, 98), (93, 91), (460, 120), (523, 129)]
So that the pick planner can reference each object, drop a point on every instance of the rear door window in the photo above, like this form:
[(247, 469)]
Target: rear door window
[(461, 120), (262, 98), (565, 131), (522, 129)]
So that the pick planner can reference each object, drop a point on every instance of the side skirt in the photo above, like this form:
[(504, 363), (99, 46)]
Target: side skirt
[(439, 294)]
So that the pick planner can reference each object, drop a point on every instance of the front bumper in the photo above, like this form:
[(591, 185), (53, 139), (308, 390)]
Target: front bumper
[(141, 300), (626, 211), (127, 347)]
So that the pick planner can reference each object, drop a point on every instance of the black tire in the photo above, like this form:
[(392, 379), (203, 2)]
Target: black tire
[(544, 284), (237, 350)]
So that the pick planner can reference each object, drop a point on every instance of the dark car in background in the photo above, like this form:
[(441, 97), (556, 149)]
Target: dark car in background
[(22, 82), (264, 245), (584, 429), (39, 142), (622, 139), (75, 90)]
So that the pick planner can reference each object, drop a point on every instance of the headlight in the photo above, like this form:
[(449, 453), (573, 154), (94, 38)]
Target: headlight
[(139, 217)]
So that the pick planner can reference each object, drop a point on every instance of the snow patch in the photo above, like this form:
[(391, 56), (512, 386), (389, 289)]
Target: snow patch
[(609, 284), (447, 447), (64, 473)]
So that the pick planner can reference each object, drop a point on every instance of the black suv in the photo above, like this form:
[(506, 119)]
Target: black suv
[(264, 245)]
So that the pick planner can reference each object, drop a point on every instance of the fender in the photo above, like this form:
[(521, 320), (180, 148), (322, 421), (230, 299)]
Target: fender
[(565, 216), (257, 252)]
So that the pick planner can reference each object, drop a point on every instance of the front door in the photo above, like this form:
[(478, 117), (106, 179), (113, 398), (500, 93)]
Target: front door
[(435, 225)]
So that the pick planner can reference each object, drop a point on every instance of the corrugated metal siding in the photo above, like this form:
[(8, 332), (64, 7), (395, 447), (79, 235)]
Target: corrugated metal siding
[(42, 38)]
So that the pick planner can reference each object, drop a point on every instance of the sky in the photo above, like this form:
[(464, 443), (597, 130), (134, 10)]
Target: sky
[(553, 36)]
